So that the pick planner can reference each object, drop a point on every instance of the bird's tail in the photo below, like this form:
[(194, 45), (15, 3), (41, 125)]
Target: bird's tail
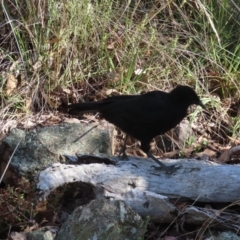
[(86, 107), (97, 106)]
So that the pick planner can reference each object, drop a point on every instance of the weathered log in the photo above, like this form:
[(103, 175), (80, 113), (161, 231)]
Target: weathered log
[(145, 189)]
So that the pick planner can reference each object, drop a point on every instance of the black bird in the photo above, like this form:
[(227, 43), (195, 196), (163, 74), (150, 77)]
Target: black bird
[(144, 116)]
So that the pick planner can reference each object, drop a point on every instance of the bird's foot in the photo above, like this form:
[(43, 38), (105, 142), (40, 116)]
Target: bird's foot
[(122, 155), (167, 169), (163, 167)]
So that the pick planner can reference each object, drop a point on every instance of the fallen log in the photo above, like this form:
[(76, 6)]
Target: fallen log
[(147, 191)]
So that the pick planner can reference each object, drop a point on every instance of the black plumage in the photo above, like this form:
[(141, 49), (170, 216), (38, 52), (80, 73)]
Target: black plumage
[(144, 116)]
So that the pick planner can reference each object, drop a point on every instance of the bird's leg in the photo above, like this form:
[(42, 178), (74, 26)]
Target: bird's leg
[(146, 148), (122, 153), (167, 169)]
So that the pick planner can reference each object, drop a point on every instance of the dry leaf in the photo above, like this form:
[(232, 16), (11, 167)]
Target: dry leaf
[(110, 46), (18, 236), (227, 154), (10, 124), (66, 90), (11, 84), (234, 140), (172, 154), (71, 120), (28, 103), (111, 91), (37, 65), (28, 123), (206, 153)]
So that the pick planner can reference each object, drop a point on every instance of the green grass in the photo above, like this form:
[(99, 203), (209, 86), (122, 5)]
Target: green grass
[(84, 44)]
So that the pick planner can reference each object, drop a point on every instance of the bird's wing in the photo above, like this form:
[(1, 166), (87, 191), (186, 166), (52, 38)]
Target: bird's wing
[(147, 108), (118, 98)]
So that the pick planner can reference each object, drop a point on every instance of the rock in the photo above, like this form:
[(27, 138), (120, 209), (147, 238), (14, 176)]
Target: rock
[(45, 233), (40, 235), (103, 220), (43, 146), (216, 235), (228, 236)]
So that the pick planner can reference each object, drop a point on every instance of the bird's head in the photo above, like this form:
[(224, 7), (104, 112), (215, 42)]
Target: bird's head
[(186, 95)]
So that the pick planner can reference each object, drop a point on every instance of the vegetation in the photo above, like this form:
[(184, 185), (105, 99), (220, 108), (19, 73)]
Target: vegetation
[(80, 49), (91, 45)]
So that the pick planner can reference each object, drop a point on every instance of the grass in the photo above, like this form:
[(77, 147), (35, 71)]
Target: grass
[(85, 47), (68, 43)]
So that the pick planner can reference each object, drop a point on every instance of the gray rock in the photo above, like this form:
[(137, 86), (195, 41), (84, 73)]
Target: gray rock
[(43, 146), (40, 235), (103, 220), (216, 235), (228, 236)]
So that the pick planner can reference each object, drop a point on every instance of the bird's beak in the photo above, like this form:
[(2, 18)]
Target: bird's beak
[(201, 104)]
